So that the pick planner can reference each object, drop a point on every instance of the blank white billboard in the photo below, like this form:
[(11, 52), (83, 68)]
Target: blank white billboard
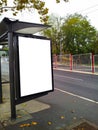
[(35, 66)]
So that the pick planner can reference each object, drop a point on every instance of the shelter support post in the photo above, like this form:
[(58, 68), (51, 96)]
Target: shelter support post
[(11, 70)]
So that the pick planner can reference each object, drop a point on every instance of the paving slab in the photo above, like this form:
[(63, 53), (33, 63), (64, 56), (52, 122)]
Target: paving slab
[(23, 110)]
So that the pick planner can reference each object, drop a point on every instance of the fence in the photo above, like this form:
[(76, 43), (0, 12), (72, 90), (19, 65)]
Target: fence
[(5, 68), (80, 62), (64, 60), (96, 63)]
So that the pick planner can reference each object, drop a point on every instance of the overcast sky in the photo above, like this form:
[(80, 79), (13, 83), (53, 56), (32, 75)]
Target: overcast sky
[(85, 7)]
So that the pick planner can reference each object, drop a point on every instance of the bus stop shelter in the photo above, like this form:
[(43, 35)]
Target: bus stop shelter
[(30, 76)]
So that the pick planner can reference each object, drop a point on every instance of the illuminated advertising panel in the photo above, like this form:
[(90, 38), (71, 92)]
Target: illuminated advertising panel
[(35, 68)]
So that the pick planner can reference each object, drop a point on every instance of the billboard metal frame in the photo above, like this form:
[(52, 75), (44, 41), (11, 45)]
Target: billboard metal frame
[(17, 69)]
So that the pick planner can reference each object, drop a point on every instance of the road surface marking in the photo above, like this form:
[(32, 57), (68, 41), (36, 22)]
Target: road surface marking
[(68, 77), (87, 99)]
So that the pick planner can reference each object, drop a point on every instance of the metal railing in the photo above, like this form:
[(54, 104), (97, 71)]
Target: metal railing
[(96, 63), (79, 62), (82, 62)]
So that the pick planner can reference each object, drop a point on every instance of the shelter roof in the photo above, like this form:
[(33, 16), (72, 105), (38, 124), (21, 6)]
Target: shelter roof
[(14, 25)]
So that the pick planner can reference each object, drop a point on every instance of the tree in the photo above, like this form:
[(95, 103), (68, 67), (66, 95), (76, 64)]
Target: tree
[(73, 34), (54, 32), (78, 35), (20, 5)]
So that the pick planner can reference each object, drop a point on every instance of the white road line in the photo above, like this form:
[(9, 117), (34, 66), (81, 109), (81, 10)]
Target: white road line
[(87, 99), (68, 77)]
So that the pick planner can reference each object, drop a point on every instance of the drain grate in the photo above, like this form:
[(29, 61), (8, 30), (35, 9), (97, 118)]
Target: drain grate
[(85, 126)]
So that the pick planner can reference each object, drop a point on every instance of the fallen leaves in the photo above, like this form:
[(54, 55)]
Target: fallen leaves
[(49, 123), (25, 125), (28, 124), (62, 117), (34, 123)]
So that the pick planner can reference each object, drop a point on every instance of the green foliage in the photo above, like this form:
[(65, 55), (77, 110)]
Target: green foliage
[(54, 33), (95, 47), (80, 35), (20, 5), (74, 35)]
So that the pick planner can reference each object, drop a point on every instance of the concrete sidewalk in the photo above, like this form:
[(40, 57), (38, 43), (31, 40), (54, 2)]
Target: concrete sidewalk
[(23, 110), (76, 71)]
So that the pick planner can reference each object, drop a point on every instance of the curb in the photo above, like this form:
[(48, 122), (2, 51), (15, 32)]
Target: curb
[(75, 71)]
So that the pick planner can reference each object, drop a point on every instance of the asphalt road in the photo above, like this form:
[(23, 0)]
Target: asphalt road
[(85, 85)]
